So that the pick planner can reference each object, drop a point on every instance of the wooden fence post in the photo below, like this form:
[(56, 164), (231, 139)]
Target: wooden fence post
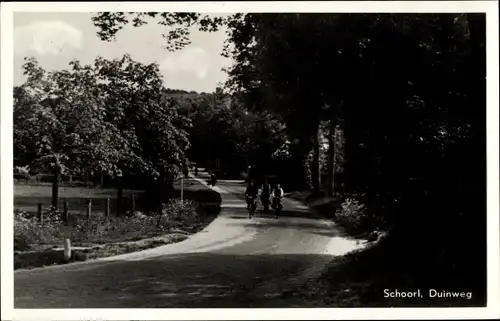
[(106, 207), (182, 189), (160, 213), (65, 212), (89, 208), (40, 213), (132, 204)]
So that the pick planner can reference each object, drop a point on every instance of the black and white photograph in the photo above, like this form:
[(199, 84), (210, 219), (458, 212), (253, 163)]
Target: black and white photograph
[(250, 156)]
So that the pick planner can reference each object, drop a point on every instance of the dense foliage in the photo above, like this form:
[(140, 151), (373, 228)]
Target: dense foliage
[(113, 117), (408, 91), (227, 136)]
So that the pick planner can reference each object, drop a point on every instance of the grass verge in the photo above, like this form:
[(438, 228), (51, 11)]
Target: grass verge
[(55, 256), (366, 278)]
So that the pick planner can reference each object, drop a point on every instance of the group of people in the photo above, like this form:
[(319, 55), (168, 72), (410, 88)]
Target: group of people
[(252, 192)]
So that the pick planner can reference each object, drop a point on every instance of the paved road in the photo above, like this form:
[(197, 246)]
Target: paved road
[(234, 263)]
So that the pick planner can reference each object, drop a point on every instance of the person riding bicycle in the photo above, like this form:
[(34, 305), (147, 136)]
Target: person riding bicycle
[(266, 188), (278, 191), (265, 195), (277, 194), (251, 191)]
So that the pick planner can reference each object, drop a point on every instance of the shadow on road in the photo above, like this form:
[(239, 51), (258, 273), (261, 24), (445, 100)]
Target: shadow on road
[(239, 217), (200, 280), (295, 220)]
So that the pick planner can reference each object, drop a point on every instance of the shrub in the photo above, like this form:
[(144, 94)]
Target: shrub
[(29, 233), (23, 237), (356, 219), (96, 230), (177, 210), (352, 214)]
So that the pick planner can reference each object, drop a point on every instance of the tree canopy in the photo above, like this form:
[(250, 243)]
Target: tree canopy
[(112, 117), (408, 91)]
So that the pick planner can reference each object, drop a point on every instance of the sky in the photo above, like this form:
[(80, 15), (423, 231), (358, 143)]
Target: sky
[(55, 39)]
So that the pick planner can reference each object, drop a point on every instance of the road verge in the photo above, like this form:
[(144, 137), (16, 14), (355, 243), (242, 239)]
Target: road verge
[(39, 245)]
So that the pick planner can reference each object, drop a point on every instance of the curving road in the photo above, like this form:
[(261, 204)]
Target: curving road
[(234, 263)]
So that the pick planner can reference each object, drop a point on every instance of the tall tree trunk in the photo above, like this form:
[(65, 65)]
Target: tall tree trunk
[(331, 159), (102, 179), (55, 185), (316, 164), (301, 168), (94, 180), (166, 187), (306, 168)]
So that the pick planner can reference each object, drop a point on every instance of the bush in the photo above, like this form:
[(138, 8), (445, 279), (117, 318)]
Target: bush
[(177, 210), (352, 213), (29, 234)]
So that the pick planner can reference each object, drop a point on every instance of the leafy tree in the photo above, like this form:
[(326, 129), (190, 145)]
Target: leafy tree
[(147, 118), (224, 130), (409, 138), (268, 80), (58, 123), (24, 108), (179, 23), (114, 117)]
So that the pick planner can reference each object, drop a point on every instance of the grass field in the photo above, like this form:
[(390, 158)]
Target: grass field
[(27, 197)]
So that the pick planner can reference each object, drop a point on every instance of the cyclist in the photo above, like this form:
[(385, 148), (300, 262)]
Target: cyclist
[(265, 196), (251, 192), (277, 196)]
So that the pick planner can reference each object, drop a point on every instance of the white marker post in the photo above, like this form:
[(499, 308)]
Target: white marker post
[(67, 232), (67, 249)]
